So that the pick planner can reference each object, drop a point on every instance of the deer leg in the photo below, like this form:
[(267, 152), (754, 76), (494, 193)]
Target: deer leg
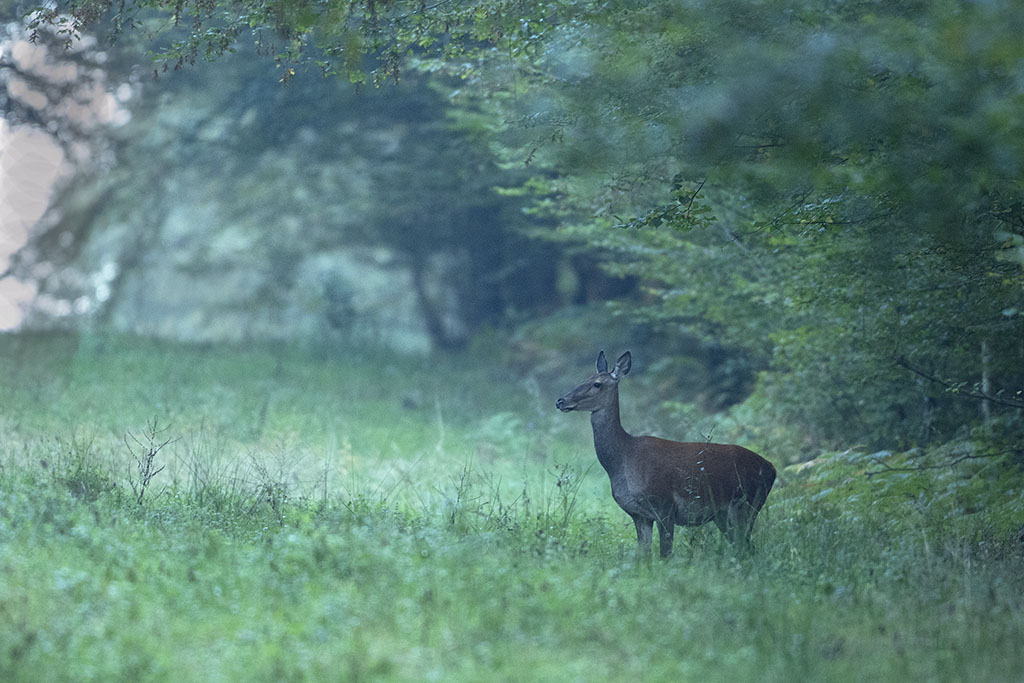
[(644, 533), (736, 523), (745, 516), (665, 531), (722, 522)]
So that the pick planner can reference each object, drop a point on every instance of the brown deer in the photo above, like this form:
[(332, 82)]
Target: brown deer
[(667, 482)]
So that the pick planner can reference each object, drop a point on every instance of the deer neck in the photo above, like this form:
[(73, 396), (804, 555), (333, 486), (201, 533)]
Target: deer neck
[(610, 440)]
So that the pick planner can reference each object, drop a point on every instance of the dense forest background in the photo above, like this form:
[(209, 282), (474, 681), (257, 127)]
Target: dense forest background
[(814, 214)]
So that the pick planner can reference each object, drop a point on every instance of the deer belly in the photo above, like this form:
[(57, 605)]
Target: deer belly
[(632, 503), (640, 505), (692, 510)]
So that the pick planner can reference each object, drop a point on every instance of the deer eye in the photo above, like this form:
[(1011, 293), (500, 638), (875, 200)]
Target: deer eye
[(597, 385)]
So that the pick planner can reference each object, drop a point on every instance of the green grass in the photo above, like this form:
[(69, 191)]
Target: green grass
[(351, 517)]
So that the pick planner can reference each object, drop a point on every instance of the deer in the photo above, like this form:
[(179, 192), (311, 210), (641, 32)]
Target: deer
[(669, 483)]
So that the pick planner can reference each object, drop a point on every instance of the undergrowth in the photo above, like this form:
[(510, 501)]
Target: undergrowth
[(447, 529)]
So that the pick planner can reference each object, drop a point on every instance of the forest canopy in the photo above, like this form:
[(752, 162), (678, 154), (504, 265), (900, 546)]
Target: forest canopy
[(833, 191)]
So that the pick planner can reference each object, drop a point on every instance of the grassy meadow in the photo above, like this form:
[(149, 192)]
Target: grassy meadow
[(333, 516)]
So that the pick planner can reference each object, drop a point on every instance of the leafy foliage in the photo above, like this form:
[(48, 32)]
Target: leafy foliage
[(834, 191), (843, 187), (334, 37)]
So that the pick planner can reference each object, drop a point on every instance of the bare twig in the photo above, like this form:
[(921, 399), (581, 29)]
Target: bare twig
[(693, 197), (886, 469), (957, 389), (145, 464)]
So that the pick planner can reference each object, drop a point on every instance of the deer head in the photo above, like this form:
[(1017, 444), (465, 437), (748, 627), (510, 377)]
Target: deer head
[(598, 391)]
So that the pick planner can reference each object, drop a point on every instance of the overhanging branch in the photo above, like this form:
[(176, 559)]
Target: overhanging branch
[(957, 389), (886, 469)]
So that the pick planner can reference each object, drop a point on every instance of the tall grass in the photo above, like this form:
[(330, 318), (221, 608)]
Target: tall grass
[(364, 517)]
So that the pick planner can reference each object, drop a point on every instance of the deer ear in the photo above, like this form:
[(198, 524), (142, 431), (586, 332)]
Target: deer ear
[(622, 365), (602, 363)]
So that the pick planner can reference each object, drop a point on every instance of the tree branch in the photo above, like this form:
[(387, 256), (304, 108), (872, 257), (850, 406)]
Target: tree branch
[(886, 469), (956, 389)]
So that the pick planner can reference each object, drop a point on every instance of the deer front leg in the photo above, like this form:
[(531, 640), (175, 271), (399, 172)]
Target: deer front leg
[(644, 534), (666, 529)]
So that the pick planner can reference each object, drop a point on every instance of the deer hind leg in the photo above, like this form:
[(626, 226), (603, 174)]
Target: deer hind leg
[(666, 530), (737, 521), (741, 523), (644, 533), (722, 522)]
